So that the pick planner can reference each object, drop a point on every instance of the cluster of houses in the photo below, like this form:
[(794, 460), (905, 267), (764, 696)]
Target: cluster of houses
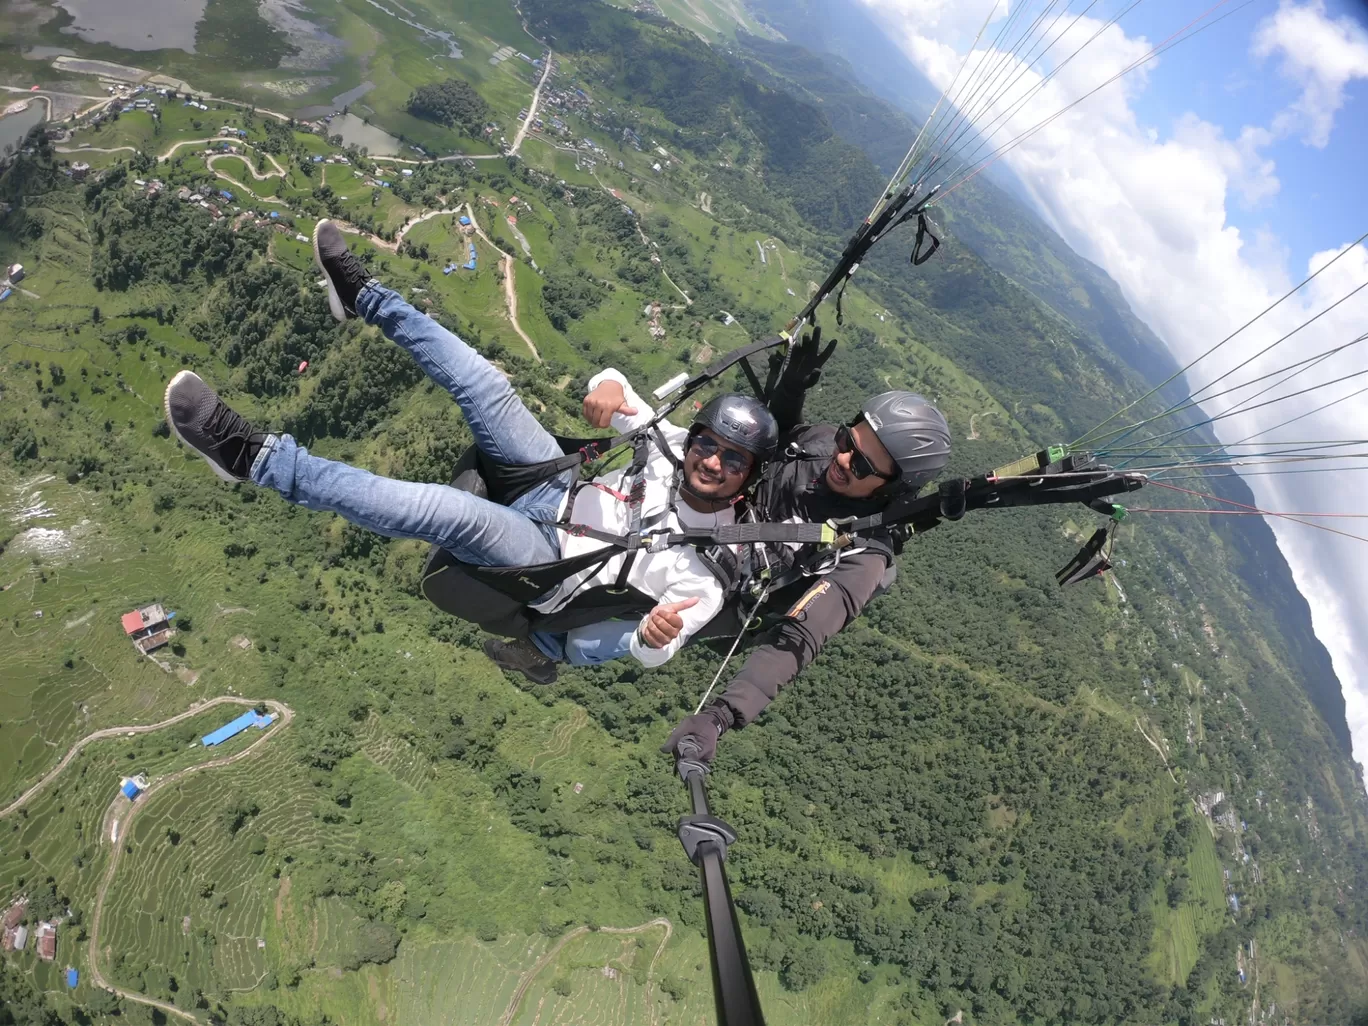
[(14, 933)]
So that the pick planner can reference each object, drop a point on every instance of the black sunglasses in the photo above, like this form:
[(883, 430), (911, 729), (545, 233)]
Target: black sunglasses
[(860, 464), (733, 462)]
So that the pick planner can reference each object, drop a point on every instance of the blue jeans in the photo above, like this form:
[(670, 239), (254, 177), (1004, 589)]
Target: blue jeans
[(473, 529)]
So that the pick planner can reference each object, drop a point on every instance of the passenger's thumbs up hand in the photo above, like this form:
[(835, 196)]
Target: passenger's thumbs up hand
[(663, 624), (604, 401)]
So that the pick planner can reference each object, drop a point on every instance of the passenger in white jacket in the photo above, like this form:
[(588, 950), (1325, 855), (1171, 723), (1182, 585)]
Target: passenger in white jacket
[(703, 495), (716, 459)]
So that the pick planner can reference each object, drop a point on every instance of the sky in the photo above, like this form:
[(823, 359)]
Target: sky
[(1208, 183)]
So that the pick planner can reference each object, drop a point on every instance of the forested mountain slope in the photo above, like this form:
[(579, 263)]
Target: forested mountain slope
[(989, 797)]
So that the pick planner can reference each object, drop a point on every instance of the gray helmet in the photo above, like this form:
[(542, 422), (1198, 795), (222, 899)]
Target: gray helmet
[(913, 431), (742, 421)]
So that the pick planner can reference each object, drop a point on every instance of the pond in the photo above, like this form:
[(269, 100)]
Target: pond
[(355, 132), (16, 126), (136, 24)]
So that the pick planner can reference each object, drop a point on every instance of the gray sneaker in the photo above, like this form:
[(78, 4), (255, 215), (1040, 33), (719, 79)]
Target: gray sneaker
[(521, 657), (205, 423), (343, 271)]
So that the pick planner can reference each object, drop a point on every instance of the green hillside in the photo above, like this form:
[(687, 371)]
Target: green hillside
[(989, 797)]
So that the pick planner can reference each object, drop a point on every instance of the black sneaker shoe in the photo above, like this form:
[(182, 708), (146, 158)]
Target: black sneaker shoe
[(208, 425), (522, 657), (345, 274)]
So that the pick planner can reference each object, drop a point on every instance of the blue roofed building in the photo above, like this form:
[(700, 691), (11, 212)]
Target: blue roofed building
[(72, 978), (130, 789), (237, 726)]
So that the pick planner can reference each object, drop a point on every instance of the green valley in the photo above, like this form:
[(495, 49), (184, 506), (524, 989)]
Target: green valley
[(990, 800)]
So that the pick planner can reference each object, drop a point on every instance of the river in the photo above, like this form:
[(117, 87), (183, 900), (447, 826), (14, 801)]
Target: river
[(16, 126)]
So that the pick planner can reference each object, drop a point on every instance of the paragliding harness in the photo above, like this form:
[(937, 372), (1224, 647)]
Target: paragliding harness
[(498, 598)]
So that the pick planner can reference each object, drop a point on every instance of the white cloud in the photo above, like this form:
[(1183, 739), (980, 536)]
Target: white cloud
[(1149, 204), (1322, 55)]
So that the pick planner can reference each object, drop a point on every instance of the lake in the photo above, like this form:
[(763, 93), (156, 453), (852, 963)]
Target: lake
[(16, 126), (355, 132), (136, 24)]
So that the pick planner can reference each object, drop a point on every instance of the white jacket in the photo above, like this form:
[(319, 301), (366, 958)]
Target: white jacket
[(671, 575)]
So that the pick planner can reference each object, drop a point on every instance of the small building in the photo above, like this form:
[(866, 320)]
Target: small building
[(20, 937), (226, 195), (14, 914), (301, 238), (4, 295), (148, 627), (237, 726), (407, 173), (47, 941), (10, 928), (16, 273), (72, 978), (131, 787)]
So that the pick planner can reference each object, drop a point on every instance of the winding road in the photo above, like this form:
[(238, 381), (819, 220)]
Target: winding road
[(285, 715), (510, 293), (98, 735)]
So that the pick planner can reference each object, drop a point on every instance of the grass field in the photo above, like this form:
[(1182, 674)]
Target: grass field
[(1178, 932)]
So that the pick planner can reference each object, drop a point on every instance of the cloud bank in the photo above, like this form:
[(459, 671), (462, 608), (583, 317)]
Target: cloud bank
[(1150, 204)]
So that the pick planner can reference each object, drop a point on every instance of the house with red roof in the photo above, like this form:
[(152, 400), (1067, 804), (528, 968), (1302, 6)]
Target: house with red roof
[(148, 627)]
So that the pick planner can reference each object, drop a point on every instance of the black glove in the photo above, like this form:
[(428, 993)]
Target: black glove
[(702, 729), (787, 391), (805, 361)]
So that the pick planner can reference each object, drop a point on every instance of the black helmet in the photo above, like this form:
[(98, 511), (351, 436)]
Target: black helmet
[(742, 421), (913, 431)]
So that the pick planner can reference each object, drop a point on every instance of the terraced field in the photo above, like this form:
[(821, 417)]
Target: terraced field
[(1177, 930), (195, 895)]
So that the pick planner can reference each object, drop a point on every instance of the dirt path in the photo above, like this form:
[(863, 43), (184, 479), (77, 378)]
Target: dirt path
[(532, 107), (510, 292), (687, 300), (259, 176), (248, 192), (507, 1018), (96, 149), (399, 237), (286, 715), (1155, 745), (973, 428), (194, 710)]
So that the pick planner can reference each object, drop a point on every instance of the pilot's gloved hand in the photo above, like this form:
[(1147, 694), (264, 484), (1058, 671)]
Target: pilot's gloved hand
[(808, 358), (703, 729)]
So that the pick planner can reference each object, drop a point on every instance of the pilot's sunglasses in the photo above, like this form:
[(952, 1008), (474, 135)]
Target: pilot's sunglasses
[(733, 462), (860, 464)]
